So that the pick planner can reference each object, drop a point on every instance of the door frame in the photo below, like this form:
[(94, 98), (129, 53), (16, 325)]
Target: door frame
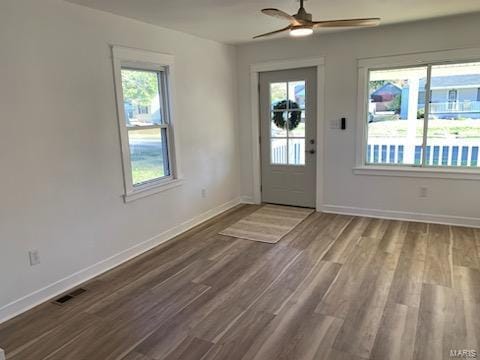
[(255, 69)]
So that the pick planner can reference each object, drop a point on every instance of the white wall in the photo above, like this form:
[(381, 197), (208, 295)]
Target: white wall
[(61, 175), (344, 191)]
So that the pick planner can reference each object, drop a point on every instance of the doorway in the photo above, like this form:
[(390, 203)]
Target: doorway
[(288, 136)]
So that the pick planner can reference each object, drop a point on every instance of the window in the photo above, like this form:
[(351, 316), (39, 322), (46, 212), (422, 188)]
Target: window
[(142, 81), (423, 116)]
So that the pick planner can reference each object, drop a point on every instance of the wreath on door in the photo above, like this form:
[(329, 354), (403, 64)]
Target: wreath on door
[(293, 119)]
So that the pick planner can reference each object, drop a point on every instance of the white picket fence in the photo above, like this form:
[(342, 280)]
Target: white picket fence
[(439, 152), (279, 152)]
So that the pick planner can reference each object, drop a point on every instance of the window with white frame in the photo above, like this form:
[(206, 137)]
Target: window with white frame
[(423, 115), (142, 81)]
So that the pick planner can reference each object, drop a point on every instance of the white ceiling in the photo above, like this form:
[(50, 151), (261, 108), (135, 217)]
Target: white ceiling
[(234, 21)]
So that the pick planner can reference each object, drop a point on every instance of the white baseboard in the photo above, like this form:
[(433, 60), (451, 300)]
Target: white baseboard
[(247, 199), (403, 215), (39, 296), (2, 354)]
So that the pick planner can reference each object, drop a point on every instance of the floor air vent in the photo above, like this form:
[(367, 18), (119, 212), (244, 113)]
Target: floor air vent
[(66, 298)]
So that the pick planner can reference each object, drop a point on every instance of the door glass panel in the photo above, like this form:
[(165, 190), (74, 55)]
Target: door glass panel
[(278, 126), (296, 124), (278, 151), (278, 93), (296, 93), (287, 123), (296, 151)]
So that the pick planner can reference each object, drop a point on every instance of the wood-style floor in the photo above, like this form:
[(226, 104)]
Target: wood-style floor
[(337, 287)]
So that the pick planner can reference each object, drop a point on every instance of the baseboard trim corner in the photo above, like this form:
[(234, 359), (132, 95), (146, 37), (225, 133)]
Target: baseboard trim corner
[(40, 296), (247, 199), (403, 215)]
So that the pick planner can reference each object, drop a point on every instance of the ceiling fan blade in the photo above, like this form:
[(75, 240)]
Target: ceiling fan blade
[(347, 22), (272, 32), (279, 14)]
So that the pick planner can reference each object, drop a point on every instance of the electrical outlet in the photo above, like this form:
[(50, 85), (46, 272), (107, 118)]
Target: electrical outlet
[(423, 192), (204, 193), (34, 256)]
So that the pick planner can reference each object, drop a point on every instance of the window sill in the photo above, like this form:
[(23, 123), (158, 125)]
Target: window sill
[(413, 172), (152, 190)]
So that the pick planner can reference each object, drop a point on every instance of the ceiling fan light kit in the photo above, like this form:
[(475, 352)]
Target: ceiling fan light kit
[(301, 31), (301, 24)]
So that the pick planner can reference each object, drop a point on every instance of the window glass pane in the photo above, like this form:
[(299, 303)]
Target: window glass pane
[(278, 151), (141, 97), (278, 93), (454, 122), (148, 154), (278, 124), (396, 107), (296, 124), (296, 93), (296, 151)]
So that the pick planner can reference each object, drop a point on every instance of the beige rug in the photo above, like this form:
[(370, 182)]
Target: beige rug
[(268, 224)]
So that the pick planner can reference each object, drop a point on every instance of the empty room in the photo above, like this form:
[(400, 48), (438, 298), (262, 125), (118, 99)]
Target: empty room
[(238, 180)]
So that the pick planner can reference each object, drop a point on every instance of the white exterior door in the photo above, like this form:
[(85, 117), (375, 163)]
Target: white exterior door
[(288, 113)]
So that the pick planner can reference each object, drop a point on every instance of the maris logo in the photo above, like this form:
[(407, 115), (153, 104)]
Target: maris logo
[(463, 354)]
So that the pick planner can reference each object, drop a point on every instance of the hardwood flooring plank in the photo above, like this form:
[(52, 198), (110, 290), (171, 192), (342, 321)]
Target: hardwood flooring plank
[(297, 323), (301, 237), (365, 312), (223, 312), (344, 288), (376, 228), (464, 248), (190, 349), (136, 356), (441, 323), (395, 339), (467, 280), (239, 338), (56, 338), (438, 270), (407, 281), (345, 244)]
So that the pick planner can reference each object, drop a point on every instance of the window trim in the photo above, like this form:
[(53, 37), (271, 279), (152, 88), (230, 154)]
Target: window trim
[(364, 66), (124, 57)]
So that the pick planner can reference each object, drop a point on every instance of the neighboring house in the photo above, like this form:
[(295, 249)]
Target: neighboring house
[(300, 94), (384, 96), (138, 115), (453, 97)]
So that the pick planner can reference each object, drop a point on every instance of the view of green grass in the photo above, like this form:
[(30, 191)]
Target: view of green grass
[(460, 128), (146, 155)]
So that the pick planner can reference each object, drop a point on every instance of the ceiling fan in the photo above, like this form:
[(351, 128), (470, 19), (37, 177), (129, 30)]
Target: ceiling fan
[(301, 23)]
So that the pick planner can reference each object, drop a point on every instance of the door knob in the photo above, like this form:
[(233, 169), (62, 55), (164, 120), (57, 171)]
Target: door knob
[(310, 151)]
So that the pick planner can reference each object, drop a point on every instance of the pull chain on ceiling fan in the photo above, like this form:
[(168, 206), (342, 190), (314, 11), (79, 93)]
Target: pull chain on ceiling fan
[(301, 23)]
